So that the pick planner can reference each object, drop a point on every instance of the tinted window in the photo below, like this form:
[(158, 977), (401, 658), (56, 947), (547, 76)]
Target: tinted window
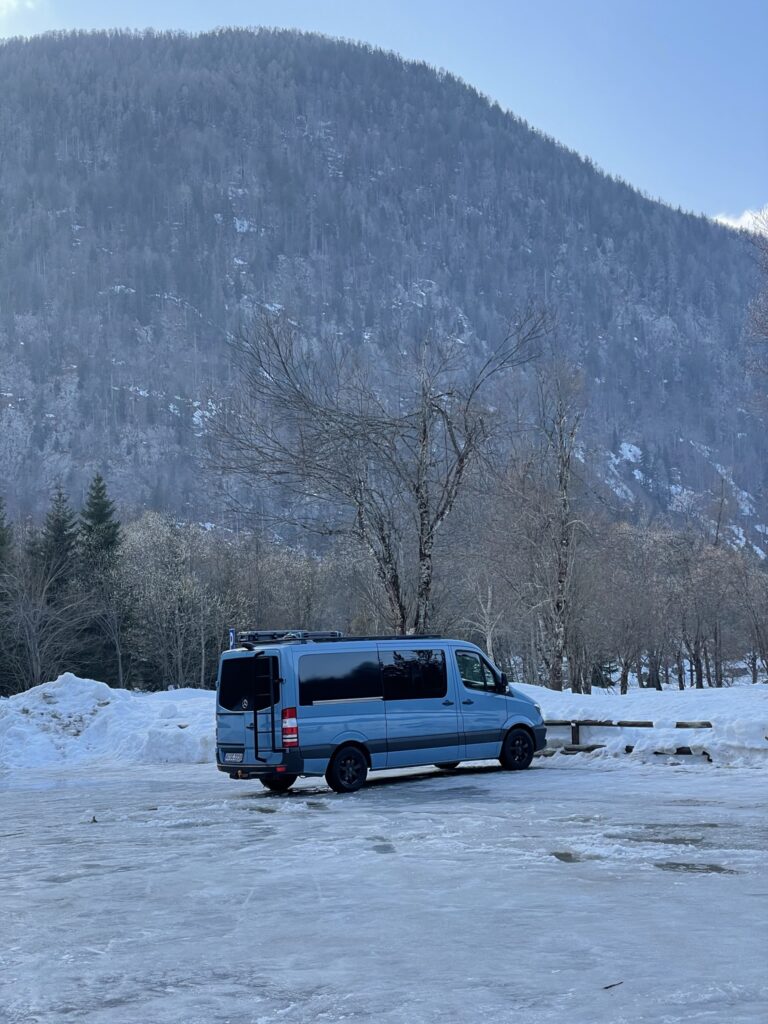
[(337, 676), (474, 672), (413, 675), (245, 683)]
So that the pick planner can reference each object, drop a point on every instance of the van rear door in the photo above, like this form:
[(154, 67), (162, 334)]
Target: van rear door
[(267, 705), (249, 705)]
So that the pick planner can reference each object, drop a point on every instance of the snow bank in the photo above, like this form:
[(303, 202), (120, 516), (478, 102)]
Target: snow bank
[(79, 721), (739, 717), (76, 721)]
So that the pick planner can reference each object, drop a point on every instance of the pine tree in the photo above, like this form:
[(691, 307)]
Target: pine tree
[(99, 530), (57, 544), (100, 537)]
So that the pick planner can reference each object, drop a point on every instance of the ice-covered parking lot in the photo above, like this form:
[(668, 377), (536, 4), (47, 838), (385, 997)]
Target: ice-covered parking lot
[(582, 890)]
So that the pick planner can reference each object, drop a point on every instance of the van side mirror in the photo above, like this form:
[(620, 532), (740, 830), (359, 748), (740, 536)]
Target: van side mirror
[(502, 685)]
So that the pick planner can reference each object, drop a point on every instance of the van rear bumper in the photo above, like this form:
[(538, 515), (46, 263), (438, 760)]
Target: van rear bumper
[(291, 763), (540, 734)]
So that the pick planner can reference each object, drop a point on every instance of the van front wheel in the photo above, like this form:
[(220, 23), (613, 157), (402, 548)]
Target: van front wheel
[(516, 750), (278, 783), (347, 771)]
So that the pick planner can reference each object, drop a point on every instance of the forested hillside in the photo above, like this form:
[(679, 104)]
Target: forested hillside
[(157, 190)]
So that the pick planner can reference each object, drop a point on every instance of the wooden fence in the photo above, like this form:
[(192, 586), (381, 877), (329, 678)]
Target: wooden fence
[(577, 747)]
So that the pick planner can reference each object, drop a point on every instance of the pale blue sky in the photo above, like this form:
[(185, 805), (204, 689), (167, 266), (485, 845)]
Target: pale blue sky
[(670, 94)]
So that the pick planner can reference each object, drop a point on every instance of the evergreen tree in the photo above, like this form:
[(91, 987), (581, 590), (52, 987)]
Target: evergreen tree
[(56, 545), (99, 530), (100, 538)]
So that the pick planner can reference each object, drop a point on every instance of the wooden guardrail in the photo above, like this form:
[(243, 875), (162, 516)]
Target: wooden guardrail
[(575, 725)]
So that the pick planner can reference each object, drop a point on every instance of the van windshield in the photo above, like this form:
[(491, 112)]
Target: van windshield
[(249, 683)]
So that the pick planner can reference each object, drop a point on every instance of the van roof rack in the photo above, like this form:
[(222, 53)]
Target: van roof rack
[(278, 636), (252, 637), (398, 636)]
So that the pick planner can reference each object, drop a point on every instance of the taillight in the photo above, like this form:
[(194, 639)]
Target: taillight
[(290, 728)]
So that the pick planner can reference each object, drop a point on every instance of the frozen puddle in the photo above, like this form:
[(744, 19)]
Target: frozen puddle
[(577, 891)]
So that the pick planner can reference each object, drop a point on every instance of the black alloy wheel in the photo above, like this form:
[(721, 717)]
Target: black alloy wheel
[(347, 771), (517, 750), (448, 766), (278, 783)]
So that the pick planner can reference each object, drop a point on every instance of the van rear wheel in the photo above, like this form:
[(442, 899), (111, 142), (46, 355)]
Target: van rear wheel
[(347, 771), (447, 765), (516, 750), (278, 783)]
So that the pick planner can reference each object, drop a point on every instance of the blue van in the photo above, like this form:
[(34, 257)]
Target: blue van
[(298, 703)]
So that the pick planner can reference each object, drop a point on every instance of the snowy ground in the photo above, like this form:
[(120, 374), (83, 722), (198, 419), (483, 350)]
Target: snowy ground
[(157, 894)]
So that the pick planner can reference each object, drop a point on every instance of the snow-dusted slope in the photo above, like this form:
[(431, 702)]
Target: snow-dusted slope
[(79, 721)]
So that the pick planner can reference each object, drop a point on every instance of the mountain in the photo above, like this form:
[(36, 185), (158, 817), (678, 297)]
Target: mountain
[(157, 189)]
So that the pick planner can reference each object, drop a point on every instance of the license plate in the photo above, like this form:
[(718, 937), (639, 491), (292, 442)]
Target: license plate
[(233, 757)]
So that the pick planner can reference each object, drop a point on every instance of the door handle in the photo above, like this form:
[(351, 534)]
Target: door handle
[(446, 703), (249, 726), (467, 702)]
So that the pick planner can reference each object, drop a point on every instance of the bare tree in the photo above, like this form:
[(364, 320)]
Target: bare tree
[(43, 621), (536, 528), (380, 455), (560, 422)]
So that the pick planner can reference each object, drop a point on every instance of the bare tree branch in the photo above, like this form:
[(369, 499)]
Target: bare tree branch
[(383, 452)]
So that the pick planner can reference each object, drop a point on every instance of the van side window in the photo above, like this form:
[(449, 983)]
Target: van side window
[(335, 676), (474, 672), (413, 675), (244, 684)]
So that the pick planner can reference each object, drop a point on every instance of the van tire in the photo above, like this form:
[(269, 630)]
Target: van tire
[(448, 766), (516, 750), (348, 770), (278, 783)]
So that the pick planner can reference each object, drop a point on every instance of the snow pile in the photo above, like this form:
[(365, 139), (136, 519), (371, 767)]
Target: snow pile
[(76, 721), (739, 717), (79, 721)]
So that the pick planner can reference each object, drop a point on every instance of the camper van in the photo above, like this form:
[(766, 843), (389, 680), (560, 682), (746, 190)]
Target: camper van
[(300, 703)]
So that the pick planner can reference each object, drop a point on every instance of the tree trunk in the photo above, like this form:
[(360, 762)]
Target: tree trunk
[(426, 533), (624, 677), (574, 673), (680, 670), (424, 593), (386, 569), (119, 656), (697, 666), (718, 656), (707, 666), (558, 650), (202, 645), (489, 644), (586, 686), (654, 671), (556, 672), (752, 660)]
